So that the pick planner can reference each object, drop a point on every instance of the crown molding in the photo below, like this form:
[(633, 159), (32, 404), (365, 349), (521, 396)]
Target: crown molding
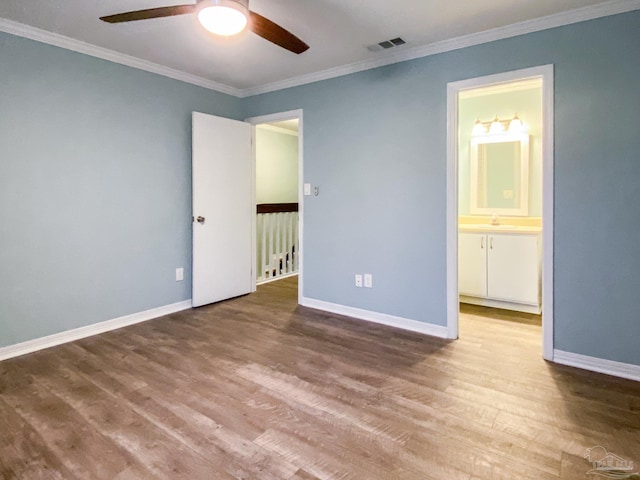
[(583, 14), (43, 36), (530, 26)]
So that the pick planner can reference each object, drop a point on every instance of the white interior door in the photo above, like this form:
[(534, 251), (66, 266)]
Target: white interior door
[(222, 209)]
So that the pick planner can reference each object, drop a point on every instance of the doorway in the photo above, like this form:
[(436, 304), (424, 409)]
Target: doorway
[(277, 184), (500, 196)]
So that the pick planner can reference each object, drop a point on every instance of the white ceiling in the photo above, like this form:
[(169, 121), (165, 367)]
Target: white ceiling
[(337, 31)]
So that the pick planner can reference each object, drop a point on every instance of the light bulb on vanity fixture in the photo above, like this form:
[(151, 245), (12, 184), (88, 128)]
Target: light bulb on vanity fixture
[(496, 126), (516, 125), (223, 17), (478, 128)]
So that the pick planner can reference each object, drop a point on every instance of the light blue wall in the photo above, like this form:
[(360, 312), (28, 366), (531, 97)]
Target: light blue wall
[(95, 188), (375, 143)]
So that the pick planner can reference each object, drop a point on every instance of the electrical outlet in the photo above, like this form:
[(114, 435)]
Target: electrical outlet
[(179, 274), (358, 280), (368, 280)]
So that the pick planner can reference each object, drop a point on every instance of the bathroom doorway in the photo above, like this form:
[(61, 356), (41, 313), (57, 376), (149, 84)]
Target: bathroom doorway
[(499, 215)]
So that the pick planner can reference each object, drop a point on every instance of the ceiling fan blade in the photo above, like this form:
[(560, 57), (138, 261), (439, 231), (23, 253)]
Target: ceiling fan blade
[(149, 13), (275, 33)]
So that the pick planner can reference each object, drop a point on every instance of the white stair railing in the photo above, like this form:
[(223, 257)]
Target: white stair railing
[(277, 241)]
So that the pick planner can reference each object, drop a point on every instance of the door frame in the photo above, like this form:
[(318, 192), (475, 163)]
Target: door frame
[(546, 73), (277, 117)]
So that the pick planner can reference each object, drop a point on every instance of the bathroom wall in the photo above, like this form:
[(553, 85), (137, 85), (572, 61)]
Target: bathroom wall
[(528, 105)]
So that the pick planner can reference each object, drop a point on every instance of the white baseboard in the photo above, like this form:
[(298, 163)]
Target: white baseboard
[(77, 333), (376, 317), (610, 367)]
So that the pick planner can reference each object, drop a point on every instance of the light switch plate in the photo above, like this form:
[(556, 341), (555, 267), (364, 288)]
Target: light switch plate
[(179, 274), (307, 189), (368, 280)]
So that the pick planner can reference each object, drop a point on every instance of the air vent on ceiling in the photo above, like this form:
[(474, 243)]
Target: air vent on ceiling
[(385, 45)]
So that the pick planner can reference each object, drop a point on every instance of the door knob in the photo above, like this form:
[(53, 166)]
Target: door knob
[(200, 219)]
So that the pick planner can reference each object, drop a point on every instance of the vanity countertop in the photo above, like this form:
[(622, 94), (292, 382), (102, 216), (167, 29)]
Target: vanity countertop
[(488, 228)]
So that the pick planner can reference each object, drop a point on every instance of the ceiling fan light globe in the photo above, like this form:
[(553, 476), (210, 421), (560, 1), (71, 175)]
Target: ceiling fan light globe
[(223, 17)]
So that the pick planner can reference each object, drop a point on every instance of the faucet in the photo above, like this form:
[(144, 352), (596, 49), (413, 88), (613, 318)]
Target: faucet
[(495, 220)]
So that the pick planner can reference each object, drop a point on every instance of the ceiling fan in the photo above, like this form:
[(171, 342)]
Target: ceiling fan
[(222, 17)]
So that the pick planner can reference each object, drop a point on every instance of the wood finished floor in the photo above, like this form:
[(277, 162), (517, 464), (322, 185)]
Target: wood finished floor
[(259, 388)]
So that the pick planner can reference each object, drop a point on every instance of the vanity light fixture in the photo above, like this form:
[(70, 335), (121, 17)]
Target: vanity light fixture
[(223, 17), (496, 126), (478, 128), (516, 126)]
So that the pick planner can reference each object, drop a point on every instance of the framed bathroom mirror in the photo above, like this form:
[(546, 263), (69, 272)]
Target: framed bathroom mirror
[(499, 175)]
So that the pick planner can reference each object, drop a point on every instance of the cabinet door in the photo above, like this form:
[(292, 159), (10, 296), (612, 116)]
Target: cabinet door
[(513, 268), (472, 264)]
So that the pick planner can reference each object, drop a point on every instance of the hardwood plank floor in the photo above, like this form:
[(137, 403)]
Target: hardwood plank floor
[(259, 388)]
